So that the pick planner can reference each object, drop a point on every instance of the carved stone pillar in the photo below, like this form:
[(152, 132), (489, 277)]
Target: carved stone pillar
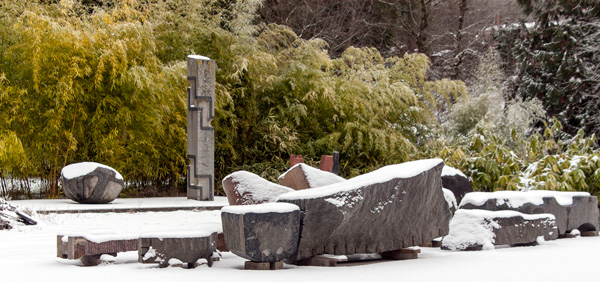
[(200, 132)]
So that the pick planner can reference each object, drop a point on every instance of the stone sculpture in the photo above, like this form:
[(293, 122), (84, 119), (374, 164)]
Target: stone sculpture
[(91, 183), (481, 229), (302, 176), (573, 210), (455, 181), (187, 247), (246, 188), (200, 132)]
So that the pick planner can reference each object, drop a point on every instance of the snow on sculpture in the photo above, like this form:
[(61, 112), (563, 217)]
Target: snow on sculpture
[(91, 183)]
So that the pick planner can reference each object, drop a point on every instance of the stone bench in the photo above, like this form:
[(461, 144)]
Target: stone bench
[(90, 246), (481, 229), (177, 247), (573, 210)]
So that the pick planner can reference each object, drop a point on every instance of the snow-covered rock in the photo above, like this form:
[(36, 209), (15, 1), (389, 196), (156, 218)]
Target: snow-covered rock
[(457, 182), (481, 229), (91, 183), (246, 188), (302, 176), (573, 210)]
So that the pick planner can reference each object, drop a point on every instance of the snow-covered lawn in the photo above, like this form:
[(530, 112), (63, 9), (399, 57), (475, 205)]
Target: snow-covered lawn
[(28, 253)]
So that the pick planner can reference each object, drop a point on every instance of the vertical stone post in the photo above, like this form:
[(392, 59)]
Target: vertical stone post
[(200, 132)]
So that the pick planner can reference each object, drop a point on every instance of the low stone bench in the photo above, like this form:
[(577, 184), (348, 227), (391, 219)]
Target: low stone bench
[(266, 234), (177, 247), (90, 246), (481, 229), (573, 210)]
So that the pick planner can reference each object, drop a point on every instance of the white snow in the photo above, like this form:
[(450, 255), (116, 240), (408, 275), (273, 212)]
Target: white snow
[(198, 57), (386, 173), (516, 199), (315, 176), (254, 188), (475, 227), (261, 208), (450, 198), (79, 169), (29, 254), (97, 235), (193, 232), (450, 171)]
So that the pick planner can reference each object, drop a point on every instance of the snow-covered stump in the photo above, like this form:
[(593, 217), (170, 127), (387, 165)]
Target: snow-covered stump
[(481, 229), (265, 234), (573, 210), (91, 183), (200, 132), (246, 188), (389, 209), (302, 176), (89, 247), (176, 248), (457, 182)]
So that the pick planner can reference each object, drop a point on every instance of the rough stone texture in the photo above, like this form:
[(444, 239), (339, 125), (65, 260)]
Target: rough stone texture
[(376, 217), (76, 247), (458, 184), (97, 187), (200, 132), (262, 237), (582, 214), (513, 230), (155, 249), (295, 178), (246, 188)]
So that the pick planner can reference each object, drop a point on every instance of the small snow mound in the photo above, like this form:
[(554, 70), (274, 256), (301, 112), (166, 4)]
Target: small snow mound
[(79, 169), (450, 171), (450, 198), (575, 232), (469, 228)]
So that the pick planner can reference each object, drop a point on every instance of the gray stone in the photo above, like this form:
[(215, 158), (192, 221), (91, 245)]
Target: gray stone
[(480, 229), (160, 248), (200, 132), (246, 188), (302, 176), (582, 214), (386, 210), (262, 233), (458, 183), (100, 186)]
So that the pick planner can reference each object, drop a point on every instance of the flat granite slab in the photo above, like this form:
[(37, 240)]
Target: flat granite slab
[(120, 205)]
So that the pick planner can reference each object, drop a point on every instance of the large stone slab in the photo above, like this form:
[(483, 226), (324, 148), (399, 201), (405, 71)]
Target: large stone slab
[(246, 188), (573, 210), (388, 209), (481, 229), (302, 176), (262, 233), (187, 247), (457, 182), (91, 183)]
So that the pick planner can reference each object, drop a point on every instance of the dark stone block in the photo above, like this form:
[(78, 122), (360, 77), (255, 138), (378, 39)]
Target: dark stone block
[(262, 233), (480, 229), (157, 248), (582, 213), (385, 210), (100, 186), (457, 183)]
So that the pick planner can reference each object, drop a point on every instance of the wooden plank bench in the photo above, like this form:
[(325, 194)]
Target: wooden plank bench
[(90, 246)]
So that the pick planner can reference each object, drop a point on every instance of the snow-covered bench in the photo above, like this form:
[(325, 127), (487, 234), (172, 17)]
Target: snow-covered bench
[(89, 246), (573, 210)]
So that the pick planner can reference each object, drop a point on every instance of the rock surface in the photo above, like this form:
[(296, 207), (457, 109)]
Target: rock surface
[(388, 209), (246, 188), (262, 233), (302, 176), (481, 229), (91, 183), (455, 181), (576, 210), (188, 248)]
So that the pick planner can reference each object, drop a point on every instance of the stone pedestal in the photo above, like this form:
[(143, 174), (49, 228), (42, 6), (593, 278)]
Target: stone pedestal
[(200, 132)]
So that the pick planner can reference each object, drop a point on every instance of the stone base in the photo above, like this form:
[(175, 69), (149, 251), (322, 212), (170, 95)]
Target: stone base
[(160, 249), (402, 254), (253, 265), (589, 234)]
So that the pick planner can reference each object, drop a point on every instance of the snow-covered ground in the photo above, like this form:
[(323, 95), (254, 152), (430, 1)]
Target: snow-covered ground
[(28, 253)]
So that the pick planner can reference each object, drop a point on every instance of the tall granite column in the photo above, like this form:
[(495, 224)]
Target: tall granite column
[(200, 132)]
